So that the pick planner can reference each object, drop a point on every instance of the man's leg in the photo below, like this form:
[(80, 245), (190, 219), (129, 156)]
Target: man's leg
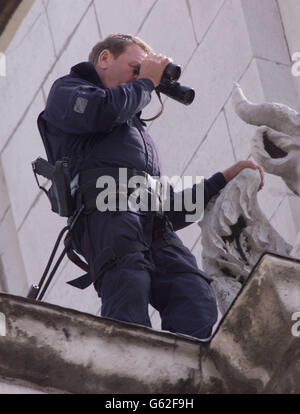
[(182, 293), (125, 290), (123, 283)]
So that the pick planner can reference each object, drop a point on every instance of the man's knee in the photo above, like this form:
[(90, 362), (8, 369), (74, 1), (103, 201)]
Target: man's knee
[(125, 291), (128, 276), (192, 309)]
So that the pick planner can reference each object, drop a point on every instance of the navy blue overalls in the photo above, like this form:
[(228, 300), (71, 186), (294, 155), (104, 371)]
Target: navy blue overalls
[(135, 258)]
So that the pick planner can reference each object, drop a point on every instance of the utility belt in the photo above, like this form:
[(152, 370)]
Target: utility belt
[(64, 192), (149, 191)]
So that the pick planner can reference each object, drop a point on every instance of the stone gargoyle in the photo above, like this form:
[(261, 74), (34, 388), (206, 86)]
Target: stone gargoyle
[(235, 233), (234, 230)]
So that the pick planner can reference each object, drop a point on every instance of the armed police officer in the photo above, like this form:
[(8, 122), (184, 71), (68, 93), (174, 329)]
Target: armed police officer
[(93, 117)]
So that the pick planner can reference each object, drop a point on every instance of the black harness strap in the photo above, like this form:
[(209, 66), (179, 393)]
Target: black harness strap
[(107, 257), (85, 280), (76, 260), (81, 282), (73, 256)]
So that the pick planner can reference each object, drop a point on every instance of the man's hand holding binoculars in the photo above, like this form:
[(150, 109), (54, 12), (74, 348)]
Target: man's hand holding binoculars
[(152, 67), (164, 75)]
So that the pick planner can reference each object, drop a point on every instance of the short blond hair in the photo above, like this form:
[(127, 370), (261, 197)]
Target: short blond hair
[(116, 44)]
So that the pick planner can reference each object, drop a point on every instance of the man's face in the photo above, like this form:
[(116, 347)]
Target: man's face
[(121, 70)]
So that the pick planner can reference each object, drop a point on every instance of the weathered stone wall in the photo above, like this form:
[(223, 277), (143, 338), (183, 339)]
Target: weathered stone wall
[(216, 43), (255, 349)]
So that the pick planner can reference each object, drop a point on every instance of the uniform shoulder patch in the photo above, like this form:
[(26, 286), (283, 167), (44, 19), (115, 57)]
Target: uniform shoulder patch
[(80, 105)]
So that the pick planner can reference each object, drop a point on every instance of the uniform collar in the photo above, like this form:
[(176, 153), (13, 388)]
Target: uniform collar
[(87, 71)]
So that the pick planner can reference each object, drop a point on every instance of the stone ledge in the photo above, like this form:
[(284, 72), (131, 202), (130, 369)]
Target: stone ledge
[(54, 349), (254, 349), (62, 350)]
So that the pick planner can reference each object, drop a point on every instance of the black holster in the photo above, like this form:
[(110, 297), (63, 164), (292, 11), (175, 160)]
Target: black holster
[(59, 194)]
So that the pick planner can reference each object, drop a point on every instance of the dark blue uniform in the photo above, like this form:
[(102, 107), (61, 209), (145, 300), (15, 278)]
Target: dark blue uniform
[(97, 127)]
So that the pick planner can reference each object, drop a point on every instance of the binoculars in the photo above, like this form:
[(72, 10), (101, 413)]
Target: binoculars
[(169, 86)]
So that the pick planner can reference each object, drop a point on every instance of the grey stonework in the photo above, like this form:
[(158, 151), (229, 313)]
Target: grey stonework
[(51, 349), (219, 42), (235, 233)]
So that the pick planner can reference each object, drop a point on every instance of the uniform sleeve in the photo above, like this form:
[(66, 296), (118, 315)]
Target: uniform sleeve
[(212, 186), (79, 108)]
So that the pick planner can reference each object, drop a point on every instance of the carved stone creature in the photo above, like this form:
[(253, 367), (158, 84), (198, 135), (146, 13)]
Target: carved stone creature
[(276, 144), (235, 232)]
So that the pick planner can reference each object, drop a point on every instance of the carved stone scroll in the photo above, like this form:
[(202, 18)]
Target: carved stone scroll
[(235, 232)]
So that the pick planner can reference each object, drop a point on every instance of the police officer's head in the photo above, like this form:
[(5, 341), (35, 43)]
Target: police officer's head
[(115, 58)]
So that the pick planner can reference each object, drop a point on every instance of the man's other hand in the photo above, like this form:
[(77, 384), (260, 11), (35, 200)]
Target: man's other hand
[(153, 66), (231, 172)]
